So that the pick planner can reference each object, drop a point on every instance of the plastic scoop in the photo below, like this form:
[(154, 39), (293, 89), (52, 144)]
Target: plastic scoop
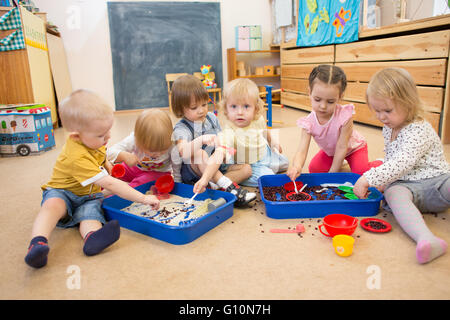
[(298, 229), (351, 196), (346, 189), (189, 202), (349, 184)]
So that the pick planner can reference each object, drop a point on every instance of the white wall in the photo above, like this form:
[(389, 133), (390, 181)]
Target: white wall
[(84, 29)]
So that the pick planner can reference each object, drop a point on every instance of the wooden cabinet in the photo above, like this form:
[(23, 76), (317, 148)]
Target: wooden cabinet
[(261, 66), (25, 74), (421, 47)]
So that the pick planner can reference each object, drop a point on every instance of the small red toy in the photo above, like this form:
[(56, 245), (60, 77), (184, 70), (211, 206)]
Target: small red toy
[(375, 225), (118, 171)]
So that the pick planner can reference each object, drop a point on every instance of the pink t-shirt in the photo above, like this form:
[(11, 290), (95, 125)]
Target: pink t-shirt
[(327, 135)]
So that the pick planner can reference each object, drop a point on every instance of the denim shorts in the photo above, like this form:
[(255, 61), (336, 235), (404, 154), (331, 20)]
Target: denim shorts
[(79, 208), (189, 176), (272, 163), (426, 194)]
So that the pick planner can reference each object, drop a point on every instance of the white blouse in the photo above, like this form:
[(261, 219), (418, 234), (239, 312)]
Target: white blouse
[(169, 161), (415, 154)]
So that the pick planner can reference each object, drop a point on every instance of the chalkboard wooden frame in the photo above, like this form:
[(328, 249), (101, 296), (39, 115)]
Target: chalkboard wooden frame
[(150, 39)]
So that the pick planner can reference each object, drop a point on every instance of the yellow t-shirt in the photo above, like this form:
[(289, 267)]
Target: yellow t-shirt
[(77, 168), (249, 142)]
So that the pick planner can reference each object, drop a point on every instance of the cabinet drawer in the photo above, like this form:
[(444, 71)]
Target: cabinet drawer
[(297, 71), (299, 101), (432, 97), (297, 85), (425, 72), (417, 46), (324, 54)]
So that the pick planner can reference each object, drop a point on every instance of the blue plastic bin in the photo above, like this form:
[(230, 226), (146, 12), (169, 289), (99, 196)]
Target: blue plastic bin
[(172, 234), (318, 208)]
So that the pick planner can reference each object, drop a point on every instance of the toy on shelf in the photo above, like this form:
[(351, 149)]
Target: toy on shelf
[(208, 80)]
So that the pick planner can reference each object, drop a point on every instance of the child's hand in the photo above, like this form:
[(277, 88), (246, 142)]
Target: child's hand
[(130, 158), (151, 201), (210, 139), (200, 186), (293, 172), (361, 188)]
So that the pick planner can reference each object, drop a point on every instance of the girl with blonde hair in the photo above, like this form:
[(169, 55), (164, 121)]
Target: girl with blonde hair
[(146, 153), (415, 175), (245, 131)]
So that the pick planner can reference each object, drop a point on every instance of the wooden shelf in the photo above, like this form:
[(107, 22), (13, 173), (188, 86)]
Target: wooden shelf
[(232, 63), (259, 76), (259, 51)]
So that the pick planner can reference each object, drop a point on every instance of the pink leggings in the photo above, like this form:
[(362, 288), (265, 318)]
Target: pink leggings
[(358, 161), (136, 176)]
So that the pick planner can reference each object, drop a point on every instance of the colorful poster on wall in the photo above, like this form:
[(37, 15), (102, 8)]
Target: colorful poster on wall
[(323, 22)]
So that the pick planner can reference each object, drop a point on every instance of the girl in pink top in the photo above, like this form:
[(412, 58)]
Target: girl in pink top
[(331, 126)]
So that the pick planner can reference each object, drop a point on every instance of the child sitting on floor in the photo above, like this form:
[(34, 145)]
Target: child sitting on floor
[(73, 195), (415, 175), (146, 153), (195, 136), (246, 132), (331, 126)]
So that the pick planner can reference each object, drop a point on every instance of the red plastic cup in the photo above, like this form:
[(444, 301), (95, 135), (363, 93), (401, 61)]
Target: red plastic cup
[(338, 223), (289, 186), (165, 184), (118, 170)]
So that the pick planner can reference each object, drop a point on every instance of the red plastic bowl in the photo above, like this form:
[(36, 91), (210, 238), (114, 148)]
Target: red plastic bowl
[(288, 196), (338, 223), (384, 226), (164, 184), (289, 186)]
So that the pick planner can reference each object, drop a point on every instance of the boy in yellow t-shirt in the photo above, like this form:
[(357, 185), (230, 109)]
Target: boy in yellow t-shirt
[(73, 195)]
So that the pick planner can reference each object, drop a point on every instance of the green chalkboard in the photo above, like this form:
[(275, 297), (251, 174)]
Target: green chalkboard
[(150, 39)]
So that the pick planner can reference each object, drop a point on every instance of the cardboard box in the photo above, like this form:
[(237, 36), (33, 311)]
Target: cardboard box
[(248, 38)]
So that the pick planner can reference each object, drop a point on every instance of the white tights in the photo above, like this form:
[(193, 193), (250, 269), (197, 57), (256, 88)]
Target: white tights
[(400, 200)]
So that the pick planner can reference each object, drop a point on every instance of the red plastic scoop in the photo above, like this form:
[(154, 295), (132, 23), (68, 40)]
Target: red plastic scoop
[(298, 229)]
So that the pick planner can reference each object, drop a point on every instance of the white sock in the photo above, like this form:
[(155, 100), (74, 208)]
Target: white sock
[(224, 182), (213, 186)]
